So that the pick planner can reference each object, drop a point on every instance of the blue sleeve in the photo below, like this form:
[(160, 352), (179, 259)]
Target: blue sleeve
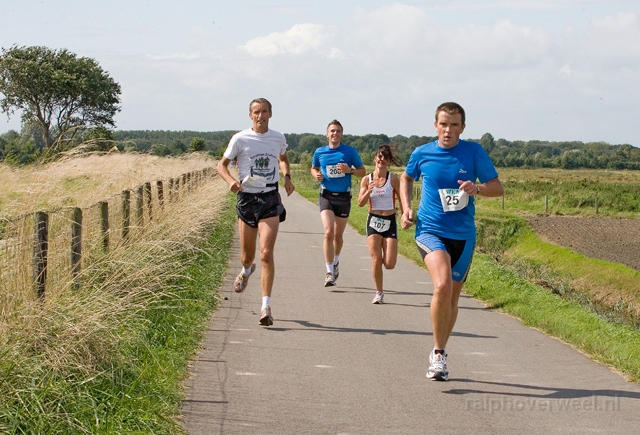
[(485, 169), (357, 161), (413, 166), (315, 161)]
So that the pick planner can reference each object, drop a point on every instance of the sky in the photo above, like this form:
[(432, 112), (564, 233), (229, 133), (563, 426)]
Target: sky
[(553, 70)]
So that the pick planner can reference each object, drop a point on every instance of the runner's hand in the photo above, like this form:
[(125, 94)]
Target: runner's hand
[(406, 220), (288, 186), (344, 168), (236, 187), (468, 186)]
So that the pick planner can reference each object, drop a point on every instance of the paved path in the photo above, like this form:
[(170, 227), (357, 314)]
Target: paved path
[(333, 363)]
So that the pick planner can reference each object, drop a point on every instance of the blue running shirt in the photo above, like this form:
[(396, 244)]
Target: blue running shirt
[(441, 168), (326, 158)]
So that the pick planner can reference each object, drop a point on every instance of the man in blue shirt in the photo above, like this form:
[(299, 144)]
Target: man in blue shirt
[(453, 172), (332, 166)]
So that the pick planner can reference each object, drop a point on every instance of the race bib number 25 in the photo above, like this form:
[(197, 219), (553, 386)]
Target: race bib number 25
[(453, 199)]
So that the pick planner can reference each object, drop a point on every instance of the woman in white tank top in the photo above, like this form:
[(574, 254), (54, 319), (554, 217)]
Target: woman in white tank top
[(380, 190)]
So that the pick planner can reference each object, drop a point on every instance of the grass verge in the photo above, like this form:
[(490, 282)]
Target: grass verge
[(111, 359)]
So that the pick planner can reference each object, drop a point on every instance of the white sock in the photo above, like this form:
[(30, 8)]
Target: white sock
[(336, 259), (330, 267), (266, 301), (245, 271)]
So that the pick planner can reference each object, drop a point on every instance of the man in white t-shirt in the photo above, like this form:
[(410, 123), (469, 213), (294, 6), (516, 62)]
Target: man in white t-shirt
[(261, 154)]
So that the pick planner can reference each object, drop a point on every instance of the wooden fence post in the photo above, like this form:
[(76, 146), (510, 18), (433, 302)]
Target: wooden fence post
[(104, 224), (147, 199), (126, 214), (171, 189), (139, 206), (160, 194), (76, 246), (40, 252), (546, 203)]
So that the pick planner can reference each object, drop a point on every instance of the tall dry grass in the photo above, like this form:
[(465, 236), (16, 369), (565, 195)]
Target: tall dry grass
[(79, 333), (84, 180)]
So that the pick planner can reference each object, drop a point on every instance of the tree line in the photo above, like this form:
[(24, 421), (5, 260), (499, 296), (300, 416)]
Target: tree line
[(24, 147), (68, 102)]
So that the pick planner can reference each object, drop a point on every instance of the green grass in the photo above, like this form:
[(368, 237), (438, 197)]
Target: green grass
[(136, 386)]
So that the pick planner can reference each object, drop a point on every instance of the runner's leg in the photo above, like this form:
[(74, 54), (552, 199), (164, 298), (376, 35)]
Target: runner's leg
[(338, 241), (268, 231), (374, 242), (390, 250), (328, 224), (438, 263), (247, 243)]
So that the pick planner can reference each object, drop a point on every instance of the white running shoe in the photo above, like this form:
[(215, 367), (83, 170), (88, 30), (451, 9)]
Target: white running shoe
[(241, 280), (329, 281), (379, 299), (266, 319), (438, 369), (336, 270)]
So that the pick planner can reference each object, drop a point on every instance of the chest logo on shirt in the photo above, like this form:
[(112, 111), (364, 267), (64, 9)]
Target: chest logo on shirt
[(261, 168)]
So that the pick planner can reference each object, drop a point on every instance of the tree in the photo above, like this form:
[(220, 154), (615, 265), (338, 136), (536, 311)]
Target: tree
[(487, 142), (197, 144), (59, 92)]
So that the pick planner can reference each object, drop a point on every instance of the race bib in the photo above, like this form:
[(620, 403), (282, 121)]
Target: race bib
[(379, 224), (334, 172), (254, 181), (453, 199)]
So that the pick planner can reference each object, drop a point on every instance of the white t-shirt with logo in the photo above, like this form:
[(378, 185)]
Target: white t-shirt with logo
[(257, 157)]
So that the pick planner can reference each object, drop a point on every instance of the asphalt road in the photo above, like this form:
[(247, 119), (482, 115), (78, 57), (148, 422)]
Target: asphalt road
[(333, 363)]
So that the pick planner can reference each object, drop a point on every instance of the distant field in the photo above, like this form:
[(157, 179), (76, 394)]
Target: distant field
[(570, 192)]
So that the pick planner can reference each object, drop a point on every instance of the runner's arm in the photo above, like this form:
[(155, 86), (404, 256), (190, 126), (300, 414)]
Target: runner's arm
[(365, 191), (316, 173), (395, 183), (285, 167), (491, 188), (223, 171), (406, 188)]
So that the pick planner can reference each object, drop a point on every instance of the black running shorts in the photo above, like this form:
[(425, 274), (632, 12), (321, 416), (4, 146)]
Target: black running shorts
[(253, 207), (340, 205)]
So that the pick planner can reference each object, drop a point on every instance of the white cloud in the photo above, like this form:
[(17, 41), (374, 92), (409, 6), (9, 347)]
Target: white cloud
[(297, 40), (609, 42)]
